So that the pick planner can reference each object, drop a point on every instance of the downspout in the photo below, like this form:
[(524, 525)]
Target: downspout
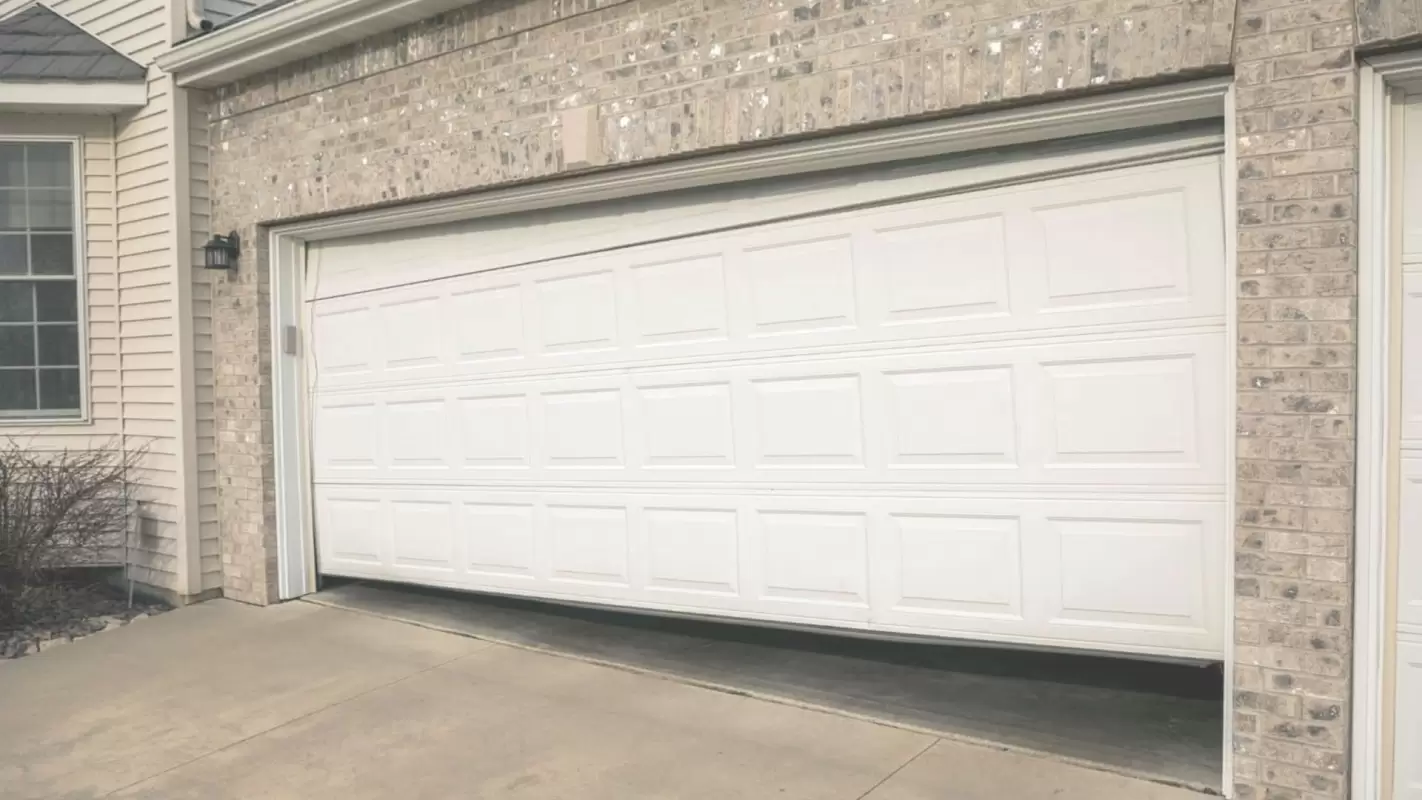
[(195, 19)]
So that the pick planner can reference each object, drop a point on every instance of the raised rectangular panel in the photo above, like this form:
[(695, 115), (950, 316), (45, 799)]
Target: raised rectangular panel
[(952, 417), (589, 544), (493, 431), (351, 529), (814, 557), (943, 269), (1408, 720), (423, 533), (680, 301), (416, 433), (345, 436), (487, 323), (808, 422), (412, 334), (1126, 411), (498, 538), (1116, 251), (1409, 220), (578, 312), (801, 286), (692, 550), (1130, 573), (1411, 404), (341, 341), (959, 565), (688, 426), (1409, 545), (583, 429)]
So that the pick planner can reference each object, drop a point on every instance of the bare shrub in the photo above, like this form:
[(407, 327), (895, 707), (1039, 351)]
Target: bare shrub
[(58, 508)]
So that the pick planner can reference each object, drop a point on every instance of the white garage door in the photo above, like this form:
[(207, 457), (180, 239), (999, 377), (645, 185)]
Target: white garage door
[(1407, 572), (1408, 705), (998, 415)]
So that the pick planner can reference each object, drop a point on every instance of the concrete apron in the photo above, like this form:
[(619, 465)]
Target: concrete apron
[(222, 700), (1161, 722)]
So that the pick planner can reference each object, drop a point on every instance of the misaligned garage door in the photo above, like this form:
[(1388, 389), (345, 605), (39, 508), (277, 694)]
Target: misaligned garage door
[(997, 415)]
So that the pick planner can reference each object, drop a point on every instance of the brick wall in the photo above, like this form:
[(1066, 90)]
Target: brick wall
[(1384, 21), (1296, 116), (473, 98)]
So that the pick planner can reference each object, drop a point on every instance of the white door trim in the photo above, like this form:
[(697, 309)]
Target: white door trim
[(1371, 493), (1230, 184), (1378, 79)]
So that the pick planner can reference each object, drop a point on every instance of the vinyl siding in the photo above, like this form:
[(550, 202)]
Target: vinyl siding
[(148, 331), (204, 405), (137, 340), (109, 376)]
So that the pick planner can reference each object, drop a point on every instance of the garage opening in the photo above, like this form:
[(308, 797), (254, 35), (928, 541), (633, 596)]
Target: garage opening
[(982, 399), (1161, 721)]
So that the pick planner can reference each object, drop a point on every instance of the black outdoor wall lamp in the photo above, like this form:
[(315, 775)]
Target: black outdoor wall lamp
[(221, 252)]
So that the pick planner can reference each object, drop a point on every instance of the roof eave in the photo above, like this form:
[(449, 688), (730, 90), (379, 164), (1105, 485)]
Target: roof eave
[(72, 97), (287, 33)]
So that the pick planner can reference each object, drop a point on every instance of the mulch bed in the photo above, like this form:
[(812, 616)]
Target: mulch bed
[(68, 610)]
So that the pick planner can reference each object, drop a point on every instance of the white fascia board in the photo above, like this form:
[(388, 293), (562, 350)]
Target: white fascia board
[(72, 97), (288, 33)]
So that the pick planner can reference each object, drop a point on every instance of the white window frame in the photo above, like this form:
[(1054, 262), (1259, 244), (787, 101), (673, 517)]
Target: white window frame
[(81, 288), (1115, 112)]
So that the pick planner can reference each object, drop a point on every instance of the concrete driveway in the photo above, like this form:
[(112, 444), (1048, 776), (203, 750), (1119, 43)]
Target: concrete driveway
[(222, 700)]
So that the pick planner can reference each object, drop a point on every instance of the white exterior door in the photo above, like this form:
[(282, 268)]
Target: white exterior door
[(999, 415)]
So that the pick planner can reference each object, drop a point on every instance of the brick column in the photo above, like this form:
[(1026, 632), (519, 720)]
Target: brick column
[(1297, 141)]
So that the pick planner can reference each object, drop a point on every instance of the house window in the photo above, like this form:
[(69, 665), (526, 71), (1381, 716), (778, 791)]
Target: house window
[(40, 369)]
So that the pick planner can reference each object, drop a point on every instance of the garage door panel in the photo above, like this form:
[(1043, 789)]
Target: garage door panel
[(1409, 547), (678, 296), (1410, 412), (1131, 573), (1013, 568), (1114, 412), (1148, 259), (351, 530), (991, 266), (997, 415), (1408, 741), (952, 566)]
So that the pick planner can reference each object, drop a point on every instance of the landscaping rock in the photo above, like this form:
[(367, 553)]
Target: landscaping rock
[(56, 615)]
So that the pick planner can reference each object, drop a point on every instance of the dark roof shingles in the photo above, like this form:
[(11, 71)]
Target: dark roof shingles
[(39, 45)]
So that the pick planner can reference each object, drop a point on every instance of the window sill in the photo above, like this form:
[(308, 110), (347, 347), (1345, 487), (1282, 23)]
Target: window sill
[(36, 422)]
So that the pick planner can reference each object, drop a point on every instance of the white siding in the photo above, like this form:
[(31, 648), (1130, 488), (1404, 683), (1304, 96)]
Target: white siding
[(199, 210), (136, 217), (148, 333)]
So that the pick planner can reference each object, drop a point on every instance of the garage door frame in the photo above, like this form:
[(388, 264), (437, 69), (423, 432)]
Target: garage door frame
[(1382, 82), (1094, 114)]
